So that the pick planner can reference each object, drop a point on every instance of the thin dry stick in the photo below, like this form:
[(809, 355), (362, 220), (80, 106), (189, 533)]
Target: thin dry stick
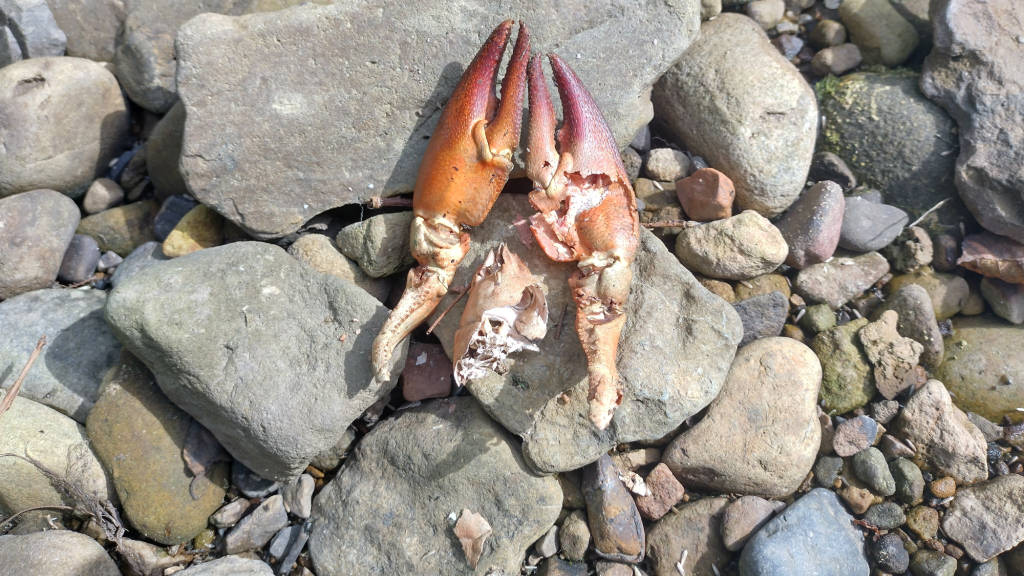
[(447, 310), (376, 202), (8, 400), (670, 224), (84, 282), (940, 204)]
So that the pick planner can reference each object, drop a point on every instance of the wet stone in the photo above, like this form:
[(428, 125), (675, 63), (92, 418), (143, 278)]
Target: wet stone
[(926, 562)]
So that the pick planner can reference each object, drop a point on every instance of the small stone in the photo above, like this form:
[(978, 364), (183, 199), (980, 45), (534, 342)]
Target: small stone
[(665, 492), (380, 244), (946, 249), (983, 368), (298, 496), (200, 228), (836, 60), (719, 288), (139, 259), (847, 382), (706, 195), (859, 499), (766, 13), (892, 356), (632, 162), (877, 28), (559, 567), (1005, 299), (948, 292), (574, 536), (737, 248), (818, 318), (854, 435), (174, 208), (689, 539), (547, 546), (121, 229), (258, 527), (612, 516), (163, 153), (35, 230), (108, 261), (869, 226), (814, 535), (885, 516), (283, 540), (35, 28), (811, 225), (916, 320), (319, 252), (427, 373), (666, 164), (987, 519), (931, 563), (990, 430), (946, 441), (974, 305), (249, 483), (634, 460), (944, 487), (229, 514), (763, 284), (331, 458), (826, 470), (923, 521), (884, 411), (911, 250), (829, 166), (642, 139), (889, 555), (840, 279), (870, 467), (827, 33), (614, 569), (658, 202), (787, 42), (828, 432), (102, 194), (743, 518), (229, 566), (80, 260), (148, 559), (762, 316)]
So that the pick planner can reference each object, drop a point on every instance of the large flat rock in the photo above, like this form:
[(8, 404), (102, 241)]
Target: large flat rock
[(674, 352), (346, 96), (268, 354)]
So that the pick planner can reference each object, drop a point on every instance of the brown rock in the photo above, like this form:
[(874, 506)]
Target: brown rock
[(612, 516), (857, 498), (666, 492), (853, 435), (743, 517), (763, 284), (892, 356), (427, 373), (200, 228), (695, 528), (944, 487), (994, 256), (923, 521), (720, 288), (706, 195), (121, 229)]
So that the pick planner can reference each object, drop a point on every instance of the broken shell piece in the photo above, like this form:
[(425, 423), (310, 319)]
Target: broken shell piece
[(472, 531), (506, 311)]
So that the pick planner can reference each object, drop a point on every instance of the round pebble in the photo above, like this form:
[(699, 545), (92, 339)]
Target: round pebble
[(923, 521), (885, 516), (666, 164), (870, 467), (889, 555), (944, 487)]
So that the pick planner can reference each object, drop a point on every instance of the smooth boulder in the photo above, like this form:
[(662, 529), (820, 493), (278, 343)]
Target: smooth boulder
[(543, 396), (35, 230), (269, 355), (733, 99), (55, 553), (983, 368)]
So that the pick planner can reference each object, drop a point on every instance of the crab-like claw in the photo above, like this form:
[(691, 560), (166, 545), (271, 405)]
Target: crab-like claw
[(586, 214), (466, 164)]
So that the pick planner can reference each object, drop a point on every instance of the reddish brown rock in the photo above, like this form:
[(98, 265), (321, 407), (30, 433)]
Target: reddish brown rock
[(706, 195), (994, 256), (427, 373), (614, 521), (665, 490)]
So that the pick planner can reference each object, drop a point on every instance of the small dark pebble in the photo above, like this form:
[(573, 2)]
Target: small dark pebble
[(108, 261), (828, 166), (889, 555), (80, 259)]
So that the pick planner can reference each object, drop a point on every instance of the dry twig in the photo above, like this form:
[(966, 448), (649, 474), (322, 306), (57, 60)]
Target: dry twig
[(8, 399), (441, 316)]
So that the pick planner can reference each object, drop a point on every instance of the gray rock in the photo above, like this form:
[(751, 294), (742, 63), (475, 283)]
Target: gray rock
[(811, 226), (229, 514), (736, 248), (666, 164), (80, 347), (840, 279), (254, 302), (949, 293), (1005, 299), (912, 249), (90, 26), (836, 60), (948, 444), (102, 194), (283, 540), (80, 260), (547, 546), (893, 357), (695, 528), (762, 316), (870, 467), (631, 161), (9, 49), (414, 474), (987, 519), (109, 261), (56, 442), (813, 536), (122, 229), (868, 226), (380, 244), (229, 566), (64, 120), (55, 553), (319, 252), (737, 102), (35, 230), (258, 527), (298, 496), (744, 517), (382, 131), (854, 435), (884, 411), (826, 470), (138, 260), (171, 212), (33, 27), (251, 484), (827, 33), (772, 389), (661, 387), (976, 72), (926, 562), (767, 13), (909, 481), (163, 151), (894, 139), (885, 516), (883, 36), (917, 321)]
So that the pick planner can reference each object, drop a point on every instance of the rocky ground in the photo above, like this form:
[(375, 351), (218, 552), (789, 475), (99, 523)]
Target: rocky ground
[(204, 214)]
